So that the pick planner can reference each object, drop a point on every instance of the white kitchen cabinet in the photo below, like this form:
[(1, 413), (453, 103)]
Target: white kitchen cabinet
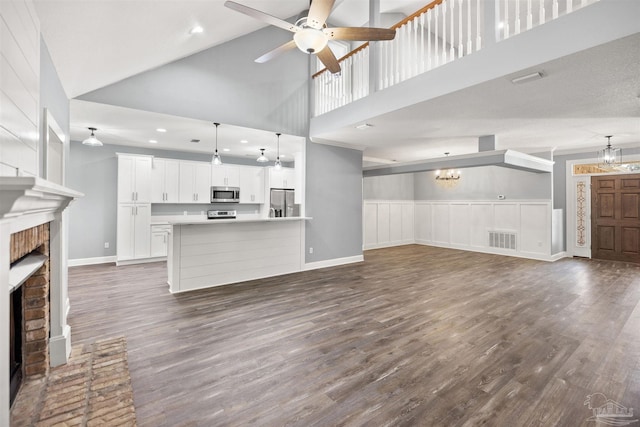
[(133, 234), (159, 240), (195, 182), (251, 184), (283, 178), (134, 179), (225, 176), (165, 181)]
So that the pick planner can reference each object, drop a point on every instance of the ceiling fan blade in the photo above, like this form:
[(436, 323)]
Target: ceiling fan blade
[(277, 51), (261, 16), (329, 60), (319, 12), (359, 33)]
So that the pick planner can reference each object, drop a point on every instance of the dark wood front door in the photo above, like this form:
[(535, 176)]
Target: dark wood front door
[(615, 217)]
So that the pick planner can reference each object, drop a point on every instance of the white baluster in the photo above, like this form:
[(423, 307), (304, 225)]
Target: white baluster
[(517, 22), (469, 42), (429, 63), (542, 13), (398, 58), (416, 46), (436, 53), (452, 51), (422, 51), (584, 3), (387, 64), (505, 21), (444, 32), (478, 29), (569, 6), (554, 9), (460, 44)]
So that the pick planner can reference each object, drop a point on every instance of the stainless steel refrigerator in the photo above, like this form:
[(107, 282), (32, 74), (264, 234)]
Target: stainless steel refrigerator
[(282, 203)]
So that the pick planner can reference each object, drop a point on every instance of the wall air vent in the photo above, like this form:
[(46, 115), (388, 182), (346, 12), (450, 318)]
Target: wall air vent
[(502, 239)]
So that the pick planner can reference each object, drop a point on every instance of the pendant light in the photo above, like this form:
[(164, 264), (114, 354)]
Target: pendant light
[(278, 164), (262, 158), (92, 141), (609, 156), (216, 157)]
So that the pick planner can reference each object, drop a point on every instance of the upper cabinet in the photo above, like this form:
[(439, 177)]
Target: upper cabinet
[(251, 184), (134, 179), (225, 176), (165, 181), (195, 182), (283, 178)]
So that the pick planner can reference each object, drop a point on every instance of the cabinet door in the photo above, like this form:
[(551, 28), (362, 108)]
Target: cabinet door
[(125, 234), (126, 179), (187, 174), (171, 181), (143, 179), (225, 176), (157, 181), (142, 231), (251, 185), (276, 178), (289, 178), (202, 180), (159, 243)]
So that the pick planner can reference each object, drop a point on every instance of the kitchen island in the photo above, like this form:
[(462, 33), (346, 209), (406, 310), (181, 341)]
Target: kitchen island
[(207, 253)]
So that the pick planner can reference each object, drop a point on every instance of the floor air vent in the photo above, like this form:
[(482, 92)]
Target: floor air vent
[(502, 240)]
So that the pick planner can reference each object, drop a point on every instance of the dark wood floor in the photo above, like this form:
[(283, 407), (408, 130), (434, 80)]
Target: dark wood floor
[(414, 336)]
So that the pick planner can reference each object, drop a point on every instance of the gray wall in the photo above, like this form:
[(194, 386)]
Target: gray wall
[(485, 183), (334, 200), (224, 84), (388, 187), (52, 95)]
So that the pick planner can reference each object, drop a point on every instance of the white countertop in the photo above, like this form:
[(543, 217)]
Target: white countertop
[(196, 219)]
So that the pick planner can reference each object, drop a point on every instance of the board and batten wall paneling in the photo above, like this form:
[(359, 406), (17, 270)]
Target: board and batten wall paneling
[(388, 223), (19, 88), (480, 223)]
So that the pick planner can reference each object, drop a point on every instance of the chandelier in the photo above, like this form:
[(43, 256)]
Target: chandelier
[(609, 156)]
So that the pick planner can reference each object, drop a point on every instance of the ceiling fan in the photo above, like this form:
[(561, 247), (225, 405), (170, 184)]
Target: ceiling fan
[(310, 33)]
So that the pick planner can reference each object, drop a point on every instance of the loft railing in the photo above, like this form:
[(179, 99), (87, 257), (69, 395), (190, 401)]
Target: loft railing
[(439, 33)]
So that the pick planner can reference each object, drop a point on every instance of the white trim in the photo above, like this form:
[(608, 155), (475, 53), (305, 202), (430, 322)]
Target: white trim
[(139, 261), (91, 261), (333, 262), (60, 347), (491, 251)]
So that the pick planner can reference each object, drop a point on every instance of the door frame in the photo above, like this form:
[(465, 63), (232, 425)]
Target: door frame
[(574, 247)]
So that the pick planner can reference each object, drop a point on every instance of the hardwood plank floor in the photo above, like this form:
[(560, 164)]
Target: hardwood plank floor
[(414, 336)]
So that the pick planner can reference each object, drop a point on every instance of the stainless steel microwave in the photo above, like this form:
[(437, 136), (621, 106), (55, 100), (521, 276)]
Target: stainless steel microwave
[(225, 194)]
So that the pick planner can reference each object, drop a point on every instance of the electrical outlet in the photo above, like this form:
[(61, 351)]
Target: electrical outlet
[(106, 245), (310, 250)]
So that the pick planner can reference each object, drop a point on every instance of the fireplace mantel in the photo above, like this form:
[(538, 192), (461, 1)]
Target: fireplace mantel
[(26, 201)]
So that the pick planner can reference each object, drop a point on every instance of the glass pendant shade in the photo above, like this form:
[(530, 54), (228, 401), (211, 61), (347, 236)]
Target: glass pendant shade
[(278, 164), (609, 156), (92, 141), (217, 160), (262, 158), (310, 40)]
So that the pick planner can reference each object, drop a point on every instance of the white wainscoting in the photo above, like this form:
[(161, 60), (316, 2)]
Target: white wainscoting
[(461, 225), (388, 223)]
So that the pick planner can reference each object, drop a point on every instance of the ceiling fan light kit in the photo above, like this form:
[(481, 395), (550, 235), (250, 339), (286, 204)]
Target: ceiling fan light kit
[(92, 141), (310, 33)]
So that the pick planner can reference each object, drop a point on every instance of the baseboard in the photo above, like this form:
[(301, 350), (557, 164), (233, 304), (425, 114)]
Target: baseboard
[(333, 262), (559, 255), (526, 255), (90, 261), (140, 261), (389, 244), (60, 347)]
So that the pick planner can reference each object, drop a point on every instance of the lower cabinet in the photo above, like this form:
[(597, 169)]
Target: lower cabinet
[(159, 240), (133, 235)]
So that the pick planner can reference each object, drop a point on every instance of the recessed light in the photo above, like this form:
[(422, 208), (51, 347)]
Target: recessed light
[(243, 141), (226, 149), (161, 130), (364, 126), (153, 141), (196, 30)]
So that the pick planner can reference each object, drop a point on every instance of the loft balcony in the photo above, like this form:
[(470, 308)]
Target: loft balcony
[(451, 45)]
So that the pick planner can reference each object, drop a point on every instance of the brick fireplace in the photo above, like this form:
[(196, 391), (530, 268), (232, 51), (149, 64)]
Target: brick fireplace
[(33, 280), (29, 308)]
